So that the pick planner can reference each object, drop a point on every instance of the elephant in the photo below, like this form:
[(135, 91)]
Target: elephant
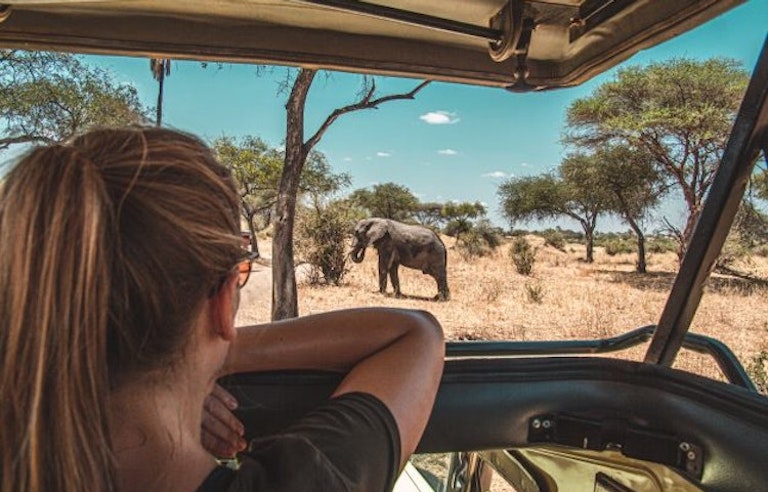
[(398, 244)]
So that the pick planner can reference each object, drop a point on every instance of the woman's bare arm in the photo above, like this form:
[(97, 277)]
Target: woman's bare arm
[(393, 354)]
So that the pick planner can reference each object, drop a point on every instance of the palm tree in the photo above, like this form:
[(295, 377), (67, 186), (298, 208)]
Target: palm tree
[(161, 68)]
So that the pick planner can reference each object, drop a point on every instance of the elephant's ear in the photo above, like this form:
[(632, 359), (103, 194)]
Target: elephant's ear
[(376, 232)]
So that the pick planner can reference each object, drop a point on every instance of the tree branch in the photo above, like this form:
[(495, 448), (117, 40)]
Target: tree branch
[(366, 102), (7, 142)]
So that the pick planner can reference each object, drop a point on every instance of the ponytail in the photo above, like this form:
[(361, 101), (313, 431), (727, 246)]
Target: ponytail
[(54, 289), (110, 245)]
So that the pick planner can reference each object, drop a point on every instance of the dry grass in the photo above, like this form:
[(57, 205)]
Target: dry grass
[(489, 300)]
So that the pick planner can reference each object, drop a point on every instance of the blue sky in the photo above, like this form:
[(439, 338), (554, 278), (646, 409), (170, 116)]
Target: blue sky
[(453, 142)]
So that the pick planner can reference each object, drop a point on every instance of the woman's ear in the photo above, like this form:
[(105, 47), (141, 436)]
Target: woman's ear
[(223, 307)]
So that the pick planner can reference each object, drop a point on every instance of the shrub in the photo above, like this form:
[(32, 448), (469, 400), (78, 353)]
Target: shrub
[(554, 238), (491, 235), (480, 240), (660, 245), (534, 292), (456, 227), (321, 237), (617, 246), (472, 245), (523, 255)]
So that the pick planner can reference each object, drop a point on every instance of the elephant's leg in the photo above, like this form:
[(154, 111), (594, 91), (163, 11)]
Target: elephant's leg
[(395, 280), (443, 294), (383, 267), (442, 283)]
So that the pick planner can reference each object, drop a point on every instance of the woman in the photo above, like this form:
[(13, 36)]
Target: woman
[(121, 269)]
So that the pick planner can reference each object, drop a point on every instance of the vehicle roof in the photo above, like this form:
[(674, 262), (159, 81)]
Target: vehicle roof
[(522, 45)]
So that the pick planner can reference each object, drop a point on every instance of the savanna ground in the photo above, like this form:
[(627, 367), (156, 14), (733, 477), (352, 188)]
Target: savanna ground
[(576, 300), (564, 298)]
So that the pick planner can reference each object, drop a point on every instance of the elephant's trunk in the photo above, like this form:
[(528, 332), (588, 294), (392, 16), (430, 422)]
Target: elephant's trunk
[(358, 254)]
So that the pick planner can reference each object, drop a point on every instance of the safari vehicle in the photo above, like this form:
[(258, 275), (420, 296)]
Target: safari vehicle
[(545, 416)]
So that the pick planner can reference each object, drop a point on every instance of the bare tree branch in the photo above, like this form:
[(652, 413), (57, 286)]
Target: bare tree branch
[(366, 102), (7, 142)]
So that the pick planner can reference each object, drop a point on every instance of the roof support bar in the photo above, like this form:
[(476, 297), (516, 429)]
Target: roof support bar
[(413, 18), (749, 133)]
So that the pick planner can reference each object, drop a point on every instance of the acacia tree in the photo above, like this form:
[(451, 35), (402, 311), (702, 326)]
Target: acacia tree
[(573, 192), (387, 200), (160, 68), (634, 185), (429, 214), (49, 97), (459, 216), (257, 168), (680, 112), (297, 149)]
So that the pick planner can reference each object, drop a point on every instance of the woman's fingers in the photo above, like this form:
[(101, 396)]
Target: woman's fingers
[(222, 432)]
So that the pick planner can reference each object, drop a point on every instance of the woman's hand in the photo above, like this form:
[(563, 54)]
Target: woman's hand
[(222, 432)]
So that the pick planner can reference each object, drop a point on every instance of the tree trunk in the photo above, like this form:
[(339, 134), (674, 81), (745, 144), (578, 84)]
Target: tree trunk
[(254, 242), (284, 293), (589, 236), (690, 225), (641, 264), (160, 85)]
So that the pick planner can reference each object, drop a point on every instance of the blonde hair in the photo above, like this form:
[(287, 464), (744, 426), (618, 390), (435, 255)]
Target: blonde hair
[(110, 243)]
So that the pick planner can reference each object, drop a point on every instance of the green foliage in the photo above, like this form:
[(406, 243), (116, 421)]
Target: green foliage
[(616, 246), (459, 216), (748, 234), (661, 245), (491, 235), (257, 169), (456, 228), (574, 192), (388, 201), (532, 197), (472, 245), (751, 224), (480, 240), (554, 238), (429, 214), (678, 112), (320, 240), (523, 255), (49, 97)]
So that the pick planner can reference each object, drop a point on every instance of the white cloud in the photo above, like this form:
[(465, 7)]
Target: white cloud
[(447, 152), (524, 164), (383, 154), (498, 175), (347, 159), (440, 118)]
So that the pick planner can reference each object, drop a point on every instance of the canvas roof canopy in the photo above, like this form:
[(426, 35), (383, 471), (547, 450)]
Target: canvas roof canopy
[(518, 44)]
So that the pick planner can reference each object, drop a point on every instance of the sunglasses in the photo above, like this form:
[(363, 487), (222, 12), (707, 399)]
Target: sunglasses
[(244, 265), (244, 269)]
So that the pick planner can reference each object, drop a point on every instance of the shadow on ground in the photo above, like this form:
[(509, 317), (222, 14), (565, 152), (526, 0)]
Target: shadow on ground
[(662, 282)]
